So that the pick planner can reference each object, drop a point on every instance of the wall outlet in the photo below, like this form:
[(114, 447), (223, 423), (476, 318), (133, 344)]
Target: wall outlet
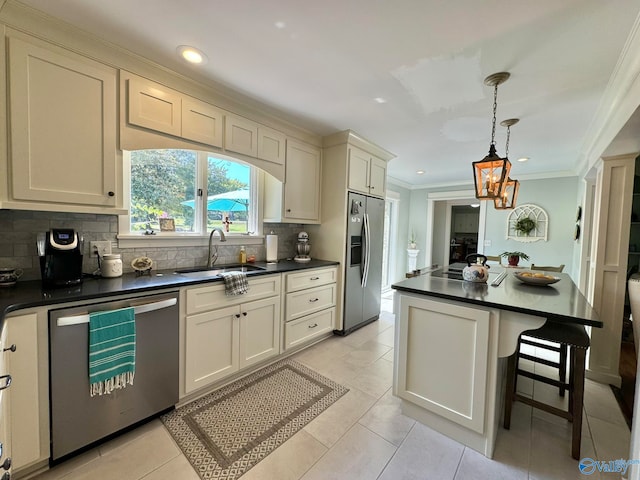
[(102, 248), (487, 243)]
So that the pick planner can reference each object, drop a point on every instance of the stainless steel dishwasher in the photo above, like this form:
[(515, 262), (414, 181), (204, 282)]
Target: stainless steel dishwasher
[(79, 420)]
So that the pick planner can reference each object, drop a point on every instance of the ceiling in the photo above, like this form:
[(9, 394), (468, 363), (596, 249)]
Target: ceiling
[(324, 62)]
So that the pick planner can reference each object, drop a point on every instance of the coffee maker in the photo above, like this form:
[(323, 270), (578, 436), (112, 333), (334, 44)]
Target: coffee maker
[(60, 252)]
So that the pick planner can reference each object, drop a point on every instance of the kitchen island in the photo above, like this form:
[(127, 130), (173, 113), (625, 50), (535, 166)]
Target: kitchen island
[(453, 339)]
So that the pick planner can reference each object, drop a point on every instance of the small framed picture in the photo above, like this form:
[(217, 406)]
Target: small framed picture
[(167, 225)]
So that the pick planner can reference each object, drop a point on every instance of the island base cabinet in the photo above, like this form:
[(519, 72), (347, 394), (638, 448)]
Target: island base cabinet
[(445, 369)]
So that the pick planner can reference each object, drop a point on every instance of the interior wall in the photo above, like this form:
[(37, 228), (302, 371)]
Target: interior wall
[(558, 197), (438, 247)]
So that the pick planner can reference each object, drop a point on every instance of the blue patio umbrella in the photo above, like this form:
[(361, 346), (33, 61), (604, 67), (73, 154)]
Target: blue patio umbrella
[(234, 201)]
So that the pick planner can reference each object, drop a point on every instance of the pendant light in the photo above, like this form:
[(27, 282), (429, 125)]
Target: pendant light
[(491, 173), (508, 199)]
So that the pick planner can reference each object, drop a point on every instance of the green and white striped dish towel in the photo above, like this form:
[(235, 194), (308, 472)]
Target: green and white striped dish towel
[(112, 350)]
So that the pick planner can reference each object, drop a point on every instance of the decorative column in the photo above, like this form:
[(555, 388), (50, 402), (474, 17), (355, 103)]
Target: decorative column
[(412, 257)]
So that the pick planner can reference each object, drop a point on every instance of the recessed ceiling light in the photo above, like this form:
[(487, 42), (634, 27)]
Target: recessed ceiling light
[(192, 54), (379, 100), (280, 25), (420, 172), (523, 159)]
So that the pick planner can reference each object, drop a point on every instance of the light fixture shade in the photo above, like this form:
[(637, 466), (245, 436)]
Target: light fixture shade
[(508, 199), (490, 175)]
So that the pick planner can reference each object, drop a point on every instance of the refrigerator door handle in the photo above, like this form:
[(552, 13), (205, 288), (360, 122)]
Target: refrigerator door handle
[(367, 250)]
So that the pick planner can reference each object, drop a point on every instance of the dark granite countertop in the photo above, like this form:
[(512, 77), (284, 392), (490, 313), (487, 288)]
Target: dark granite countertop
[(31, 294), (561, 301)]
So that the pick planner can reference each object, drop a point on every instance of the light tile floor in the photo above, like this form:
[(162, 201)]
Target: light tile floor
[(365, 436)]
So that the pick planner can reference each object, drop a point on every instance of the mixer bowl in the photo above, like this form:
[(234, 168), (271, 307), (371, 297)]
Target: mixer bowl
[(303, 248)]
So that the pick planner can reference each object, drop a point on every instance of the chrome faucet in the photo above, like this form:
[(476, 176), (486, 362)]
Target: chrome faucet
[(211, 259)]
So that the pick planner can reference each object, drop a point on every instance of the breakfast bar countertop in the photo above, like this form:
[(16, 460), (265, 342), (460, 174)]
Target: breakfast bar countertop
[(561, 301)]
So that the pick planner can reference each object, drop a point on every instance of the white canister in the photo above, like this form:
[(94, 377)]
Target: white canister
[(111, 265)]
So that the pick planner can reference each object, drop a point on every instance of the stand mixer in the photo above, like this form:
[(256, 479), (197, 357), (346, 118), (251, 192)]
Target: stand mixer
[(303, 248)]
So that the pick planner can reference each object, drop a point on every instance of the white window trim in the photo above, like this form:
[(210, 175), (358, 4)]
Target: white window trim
[(170, 239)]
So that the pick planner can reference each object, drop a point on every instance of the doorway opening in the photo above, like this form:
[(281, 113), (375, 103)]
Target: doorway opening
[(463, 232), (389, 245)]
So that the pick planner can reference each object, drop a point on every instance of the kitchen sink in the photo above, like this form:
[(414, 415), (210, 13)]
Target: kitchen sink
[(217, 270)]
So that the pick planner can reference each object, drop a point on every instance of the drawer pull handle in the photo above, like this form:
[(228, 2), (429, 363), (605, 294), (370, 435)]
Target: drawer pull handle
[(314, 278), (313, 326), (12, 348), (7, 464), (7, 381), (313, 300)]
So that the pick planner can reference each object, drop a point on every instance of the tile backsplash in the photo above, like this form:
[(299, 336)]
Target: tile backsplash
[(18, 231)]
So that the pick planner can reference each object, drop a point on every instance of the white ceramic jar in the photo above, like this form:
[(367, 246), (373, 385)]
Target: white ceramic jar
[(111, 265)]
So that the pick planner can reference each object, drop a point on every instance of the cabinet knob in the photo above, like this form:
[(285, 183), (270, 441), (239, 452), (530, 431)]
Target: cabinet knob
[(6, 476), (7, 381), (288, 210), (244, 314), (372, 187), (111, 194), (237, 315), (6, 465), (12, 348)]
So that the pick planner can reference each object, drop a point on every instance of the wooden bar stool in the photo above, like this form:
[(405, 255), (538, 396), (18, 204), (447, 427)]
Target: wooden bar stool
[(576, 339)]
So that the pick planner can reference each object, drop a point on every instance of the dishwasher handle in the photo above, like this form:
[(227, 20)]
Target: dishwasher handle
[(138, 309)]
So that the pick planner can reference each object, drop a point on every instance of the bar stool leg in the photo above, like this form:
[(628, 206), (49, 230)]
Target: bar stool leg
[(579, 356), (509, 388), (563, 367)]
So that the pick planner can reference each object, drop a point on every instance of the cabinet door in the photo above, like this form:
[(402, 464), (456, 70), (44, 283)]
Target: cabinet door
[(302, 182), (377, 177), (259, 331), (271, 145), (240, 135), (359, 170), (154, 106), (211, 350), (5, 407), (201, 122), (23, 365), (63, 120)]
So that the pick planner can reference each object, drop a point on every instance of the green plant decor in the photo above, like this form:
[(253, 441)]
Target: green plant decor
[(525, 226), (514, 257)]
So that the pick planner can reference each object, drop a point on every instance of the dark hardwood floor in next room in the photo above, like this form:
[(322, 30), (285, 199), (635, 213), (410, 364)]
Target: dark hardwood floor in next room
[(625, 394)]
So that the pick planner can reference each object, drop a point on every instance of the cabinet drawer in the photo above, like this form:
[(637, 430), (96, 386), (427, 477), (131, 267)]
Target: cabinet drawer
[(202, 299), (310, 278), (304, 329), (311, 300)]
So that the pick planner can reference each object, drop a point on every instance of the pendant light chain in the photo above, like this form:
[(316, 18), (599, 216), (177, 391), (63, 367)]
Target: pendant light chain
[(506, 153), (495, 109)]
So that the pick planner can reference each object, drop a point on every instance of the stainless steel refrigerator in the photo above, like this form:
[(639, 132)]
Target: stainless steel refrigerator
[(363, 279)]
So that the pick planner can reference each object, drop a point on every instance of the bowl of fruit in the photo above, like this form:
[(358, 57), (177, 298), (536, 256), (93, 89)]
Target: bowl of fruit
[(536, 278)]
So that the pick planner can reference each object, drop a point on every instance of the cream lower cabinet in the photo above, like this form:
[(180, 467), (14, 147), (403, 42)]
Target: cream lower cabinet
[(6, 449), (221, 340), (27, 395), (309, 305), (62, 109)]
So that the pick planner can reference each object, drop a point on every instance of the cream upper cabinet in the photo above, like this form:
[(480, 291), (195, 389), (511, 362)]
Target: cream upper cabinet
[(201, 122), (297, 200), (240, 135), (367, 173), (155, 107), (271, 145), (301, 200), (62, 109)]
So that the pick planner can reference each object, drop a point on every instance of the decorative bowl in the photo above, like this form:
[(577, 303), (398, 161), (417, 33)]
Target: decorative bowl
[(141, 264), (536, 278)]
